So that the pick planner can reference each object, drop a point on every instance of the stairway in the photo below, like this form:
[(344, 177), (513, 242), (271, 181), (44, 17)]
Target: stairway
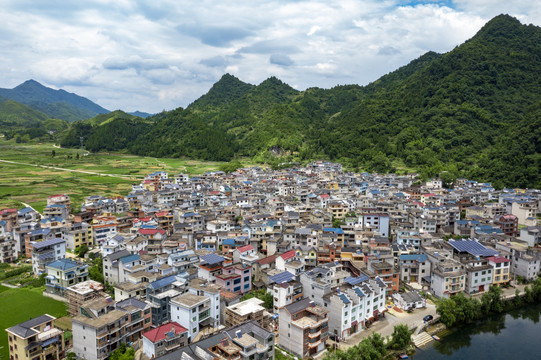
[(422, 339)]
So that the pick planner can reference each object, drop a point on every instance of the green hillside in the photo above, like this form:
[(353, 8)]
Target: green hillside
[(472, 112), (58, 104), (15, 115)]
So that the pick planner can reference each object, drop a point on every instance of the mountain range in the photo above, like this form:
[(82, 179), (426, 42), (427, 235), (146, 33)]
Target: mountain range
[(472, 112)]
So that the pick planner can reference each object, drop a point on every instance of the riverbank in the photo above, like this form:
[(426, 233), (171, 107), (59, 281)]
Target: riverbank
[(514, 334)]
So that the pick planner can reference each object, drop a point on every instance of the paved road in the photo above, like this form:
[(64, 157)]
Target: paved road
[(386, 325)]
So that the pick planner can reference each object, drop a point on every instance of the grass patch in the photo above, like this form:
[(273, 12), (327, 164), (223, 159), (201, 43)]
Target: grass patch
[(18, 305)]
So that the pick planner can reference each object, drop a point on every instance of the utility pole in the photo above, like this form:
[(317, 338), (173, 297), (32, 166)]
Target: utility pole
[(81, 139)]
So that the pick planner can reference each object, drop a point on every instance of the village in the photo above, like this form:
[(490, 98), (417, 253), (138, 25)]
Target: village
[(246, 264)]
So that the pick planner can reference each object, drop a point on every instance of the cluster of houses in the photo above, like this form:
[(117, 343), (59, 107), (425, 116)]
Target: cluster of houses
[(329, 247)]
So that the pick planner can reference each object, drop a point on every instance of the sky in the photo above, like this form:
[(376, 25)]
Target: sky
[(154, 55)]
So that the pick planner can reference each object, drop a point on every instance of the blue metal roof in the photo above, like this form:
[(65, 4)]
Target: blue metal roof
[(358, 292), (416, 257), (129, 258), (229, 242), (158, 284), (212, 259), (356, 280), (45, 243), (42, 231), (25, 210), (63, 264), (285, 276), (472, 247), (345, 299), (334, 230)]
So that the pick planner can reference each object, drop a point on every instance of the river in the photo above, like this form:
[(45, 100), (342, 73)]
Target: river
[(514, 335)]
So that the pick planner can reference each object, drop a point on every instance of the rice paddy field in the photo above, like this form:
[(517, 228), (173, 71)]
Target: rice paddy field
[(30, 173)]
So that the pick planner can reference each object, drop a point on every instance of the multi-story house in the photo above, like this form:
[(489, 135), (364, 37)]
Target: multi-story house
[(104, 325), (244, 342), (77, 234), (35, 236), (164, 339), (303, 328), (447, 278), (45, 252), (508, 223), (531, 235), (114, 265), (525, 211), (103, 228), (479, 275), (385, 271), (247, 310), (7, 244), (63, 273), (212, 291), (376, 222), (192, 312), (413, 267), (210, 266), (501, 268), (82, 293), (57, 210), (182, 260), (355, 305), (236, 278), (36, 338), (59, 199), (286, 291)]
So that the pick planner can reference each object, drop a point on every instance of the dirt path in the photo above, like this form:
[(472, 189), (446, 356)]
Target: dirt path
[(72, 170)]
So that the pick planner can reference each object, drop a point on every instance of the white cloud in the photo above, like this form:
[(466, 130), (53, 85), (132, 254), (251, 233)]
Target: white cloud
[(155, 55)]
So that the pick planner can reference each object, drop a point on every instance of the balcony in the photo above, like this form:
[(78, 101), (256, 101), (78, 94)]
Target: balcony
[(314, 345), (171, 347), (313, 335)]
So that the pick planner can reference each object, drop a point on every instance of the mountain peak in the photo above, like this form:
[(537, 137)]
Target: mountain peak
[(30, 84), (501, 26), (229, 88)]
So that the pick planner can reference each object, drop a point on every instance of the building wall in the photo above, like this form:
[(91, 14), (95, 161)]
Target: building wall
[(84, 341)]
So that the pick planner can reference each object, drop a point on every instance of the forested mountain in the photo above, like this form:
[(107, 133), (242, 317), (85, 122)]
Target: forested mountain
[(58, 104), (24, 123), (474, 112)]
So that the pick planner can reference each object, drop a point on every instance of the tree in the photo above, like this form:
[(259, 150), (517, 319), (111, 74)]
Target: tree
[(81, 251), (446, 308), (95, 272), (262, 294), (230, 166), (401, 337)]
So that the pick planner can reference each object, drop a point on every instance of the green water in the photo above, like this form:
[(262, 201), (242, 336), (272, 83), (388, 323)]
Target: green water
[(514, 335)]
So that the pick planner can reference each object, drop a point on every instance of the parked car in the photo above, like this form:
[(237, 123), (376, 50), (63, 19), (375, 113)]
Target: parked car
[(428, 318)]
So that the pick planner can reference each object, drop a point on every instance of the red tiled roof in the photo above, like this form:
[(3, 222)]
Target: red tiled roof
[(288, 255), (498, 259), (245, 248), (228, 294), (267, 260), (158, 333), (162, 213)]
